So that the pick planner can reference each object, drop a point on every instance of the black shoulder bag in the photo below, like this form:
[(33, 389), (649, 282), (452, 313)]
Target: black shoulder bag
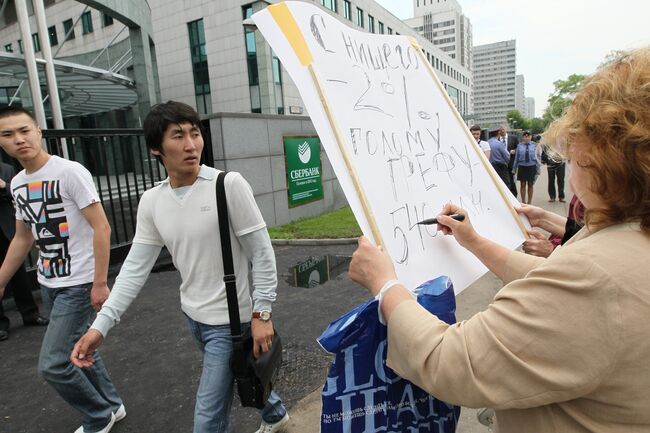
[(254, 377)]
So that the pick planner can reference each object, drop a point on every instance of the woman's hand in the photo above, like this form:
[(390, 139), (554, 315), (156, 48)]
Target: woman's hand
[(463, 231), (371, 266), (538, 245), (534, 214)]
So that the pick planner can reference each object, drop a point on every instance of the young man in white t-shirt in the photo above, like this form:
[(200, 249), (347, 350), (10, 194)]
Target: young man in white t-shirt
[(181, 214), (484, 145), (57, 205)]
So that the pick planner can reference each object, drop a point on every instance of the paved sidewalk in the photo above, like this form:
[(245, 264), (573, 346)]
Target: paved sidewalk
[(156, 365)]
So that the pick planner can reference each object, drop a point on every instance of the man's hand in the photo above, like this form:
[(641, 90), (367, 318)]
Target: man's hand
[(3, 184), (82, 353), (538, 245), (262, 336), (98, 295)]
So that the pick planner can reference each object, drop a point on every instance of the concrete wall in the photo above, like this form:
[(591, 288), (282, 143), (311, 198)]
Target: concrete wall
[(251, 144)]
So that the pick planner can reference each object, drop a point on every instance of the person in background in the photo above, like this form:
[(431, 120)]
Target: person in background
[(556, 170), (561, 228), (20, 283), (564, 347), (484, 145), (510, 141), (526, 166), (58, 206), (499, 156)]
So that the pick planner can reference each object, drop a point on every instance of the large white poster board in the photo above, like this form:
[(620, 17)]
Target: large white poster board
[(376, 96)]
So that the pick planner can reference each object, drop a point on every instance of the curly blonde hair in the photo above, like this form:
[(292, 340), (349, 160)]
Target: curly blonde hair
[(610, 118)]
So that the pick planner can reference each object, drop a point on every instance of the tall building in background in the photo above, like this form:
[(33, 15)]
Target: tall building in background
[(520, 96), (529, 108), (209, 54), (442, 22), (494, 73)]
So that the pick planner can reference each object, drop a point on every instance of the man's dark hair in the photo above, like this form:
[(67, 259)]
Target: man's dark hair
[(161, 116), (13, 110), (475, 128), (494, 133)]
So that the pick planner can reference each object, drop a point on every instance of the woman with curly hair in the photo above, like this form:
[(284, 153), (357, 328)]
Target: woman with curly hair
[(565, 345)]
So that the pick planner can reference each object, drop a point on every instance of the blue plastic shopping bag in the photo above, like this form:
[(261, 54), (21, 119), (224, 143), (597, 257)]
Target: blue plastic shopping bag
[(363, 395)]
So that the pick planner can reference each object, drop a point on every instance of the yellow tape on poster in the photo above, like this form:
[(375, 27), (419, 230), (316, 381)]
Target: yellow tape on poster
[(283, 16)]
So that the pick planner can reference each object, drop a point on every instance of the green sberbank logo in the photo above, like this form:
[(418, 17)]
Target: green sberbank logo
[(304, 182), (314, 278), (304, 155), (304, 152)]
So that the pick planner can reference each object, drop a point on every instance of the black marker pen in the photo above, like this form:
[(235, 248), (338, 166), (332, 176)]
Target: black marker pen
[(430, 221)]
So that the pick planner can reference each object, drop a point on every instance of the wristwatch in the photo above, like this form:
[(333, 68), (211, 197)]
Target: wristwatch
[(264, 316)]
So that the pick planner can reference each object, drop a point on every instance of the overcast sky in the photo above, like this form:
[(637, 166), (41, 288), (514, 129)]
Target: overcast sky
[(554, 38)]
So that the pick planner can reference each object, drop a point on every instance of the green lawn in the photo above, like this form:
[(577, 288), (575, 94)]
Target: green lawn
[(333, 225)]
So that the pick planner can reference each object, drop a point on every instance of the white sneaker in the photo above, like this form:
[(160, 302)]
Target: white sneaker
[(276, 426), (120, 414), (104, 430)]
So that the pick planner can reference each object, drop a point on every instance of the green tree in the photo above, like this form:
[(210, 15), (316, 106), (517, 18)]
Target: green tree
[(562, 96), (516, 120), (537, 125)]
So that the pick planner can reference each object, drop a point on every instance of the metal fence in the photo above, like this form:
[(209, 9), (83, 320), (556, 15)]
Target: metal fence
[(122, 169)]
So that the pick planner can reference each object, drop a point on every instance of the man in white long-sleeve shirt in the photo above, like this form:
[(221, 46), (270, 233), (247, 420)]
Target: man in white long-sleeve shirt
[(181, 214)]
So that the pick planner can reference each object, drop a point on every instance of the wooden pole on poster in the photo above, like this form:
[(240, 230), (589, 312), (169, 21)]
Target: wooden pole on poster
[(346, 158), (498, 183)]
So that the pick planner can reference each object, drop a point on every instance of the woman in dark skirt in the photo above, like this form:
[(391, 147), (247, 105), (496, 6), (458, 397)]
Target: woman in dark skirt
[(527, 166)]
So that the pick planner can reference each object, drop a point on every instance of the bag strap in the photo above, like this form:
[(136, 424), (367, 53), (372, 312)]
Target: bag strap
[(226, 254)]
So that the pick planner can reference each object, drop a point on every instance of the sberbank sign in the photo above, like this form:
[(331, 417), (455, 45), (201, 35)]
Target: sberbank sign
[(304, 171)]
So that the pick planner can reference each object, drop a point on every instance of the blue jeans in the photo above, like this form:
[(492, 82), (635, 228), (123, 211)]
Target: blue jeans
[(215, 393), (88, 390)]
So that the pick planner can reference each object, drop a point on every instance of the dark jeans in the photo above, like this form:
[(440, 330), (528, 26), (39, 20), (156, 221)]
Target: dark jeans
[(511, 176), (556, 170), (503, 172), (21, 286)]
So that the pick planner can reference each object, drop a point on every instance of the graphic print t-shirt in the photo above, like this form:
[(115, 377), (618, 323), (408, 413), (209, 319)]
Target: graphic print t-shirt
[(49, 202)]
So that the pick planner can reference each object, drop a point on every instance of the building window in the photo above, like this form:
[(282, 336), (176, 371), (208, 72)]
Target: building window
[(87, 23), (390, 31), (200, 67), (67, 27), (330, 4), (360, 17), (381, 28), (251, 60), (107, 20), (9, 48), (20, 46), (371, 23), (277, 80), (36, 42), (54, 40), (347, 10)]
